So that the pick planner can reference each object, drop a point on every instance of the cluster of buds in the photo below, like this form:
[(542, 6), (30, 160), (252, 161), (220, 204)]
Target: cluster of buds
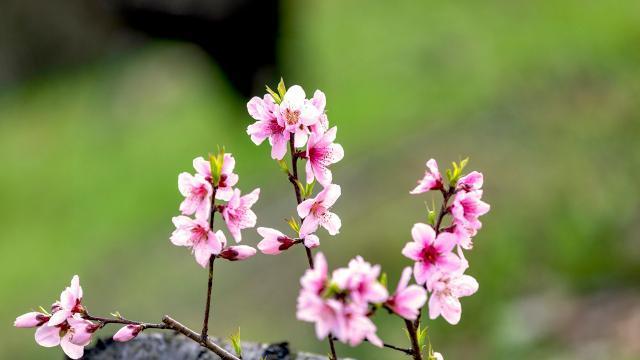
[(214, 179), (436, 265), (65, 325), (290, 120), (342, 305)]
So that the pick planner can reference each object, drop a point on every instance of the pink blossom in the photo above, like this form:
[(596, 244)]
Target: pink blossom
[(446, 288), (466, 208), (311, 241), (72, 335), (319, 100), (316, 212), (322, 152), (267, 125), (360, 279), (296, 113), (197, 192), (315, 280), (471, 181), (274, 242), (407, 300), (31, 320), (127, 333), (69, 303), (196, 234), (324, 313), (237, 212), (430, 252), (227, 177), (354, 326), (432, 179)]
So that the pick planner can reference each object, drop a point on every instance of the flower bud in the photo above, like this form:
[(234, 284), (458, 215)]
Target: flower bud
[(127, 333), (238, 252), (31, 319)]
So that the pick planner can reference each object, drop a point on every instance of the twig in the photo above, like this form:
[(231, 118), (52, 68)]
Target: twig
[(293, 178), (207, 308), (206, 342), (121, 320)]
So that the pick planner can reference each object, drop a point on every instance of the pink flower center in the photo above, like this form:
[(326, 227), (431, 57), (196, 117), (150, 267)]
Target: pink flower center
[(199, 191), (430, 254), (318, 209), (291, 116), (199, 233)]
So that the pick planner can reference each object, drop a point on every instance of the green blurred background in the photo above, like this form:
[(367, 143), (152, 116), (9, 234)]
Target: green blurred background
[(542, 96)]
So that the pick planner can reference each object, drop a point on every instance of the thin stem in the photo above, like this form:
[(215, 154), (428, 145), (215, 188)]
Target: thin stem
[(416, 352), (446, 194), (206, 342), (124, 321), (397, 348), (207, 308), (293, 178)]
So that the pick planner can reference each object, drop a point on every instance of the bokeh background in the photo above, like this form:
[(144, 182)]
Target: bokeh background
[(103, 103)]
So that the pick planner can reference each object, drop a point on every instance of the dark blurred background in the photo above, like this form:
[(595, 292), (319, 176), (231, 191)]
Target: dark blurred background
[(103, 103)]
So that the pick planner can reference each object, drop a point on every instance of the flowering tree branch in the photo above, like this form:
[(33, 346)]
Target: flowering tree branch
[(341, 303)]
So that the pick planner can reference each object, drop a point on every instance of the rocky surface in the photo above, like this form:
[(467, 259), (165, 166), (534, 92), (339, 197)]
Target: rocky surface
[(175, 346)]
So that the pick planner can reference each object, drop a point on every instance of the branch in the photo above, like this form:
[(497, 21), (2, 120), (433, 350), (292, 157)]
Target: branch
[(205, 321), (121, 320), (293, 178), (206, 342)]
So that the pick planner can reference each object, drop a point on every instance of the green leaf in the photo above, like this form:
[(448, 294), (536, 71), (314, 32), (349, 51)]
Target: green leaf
[(308, 191), (236, 343), (383, 279), (431, 217), (281, 88), (283, 166), (293, 224), (275, 96), (300, 187)]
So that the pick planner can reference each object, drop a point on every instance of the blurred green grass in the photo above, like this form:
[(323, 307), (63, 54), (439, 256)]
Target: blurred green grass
[(542, 96)]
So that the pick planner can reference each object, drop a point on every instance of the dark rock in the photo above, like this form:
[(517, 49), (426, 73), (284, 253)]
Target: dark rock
[(170, 345)]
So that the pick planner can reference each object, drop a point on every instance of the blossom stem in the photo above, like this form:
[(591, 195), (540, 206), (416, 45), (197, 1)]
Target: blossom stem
[(293, 178), (121, 320), (206, 341), (446, 194), (416, 352), (207, 308)]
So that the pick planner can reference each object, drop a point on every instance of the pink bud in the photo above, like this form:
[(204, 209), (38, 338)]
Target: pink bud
[(127, 333), (31, 319), (238, 252), (311, 241), (274, 242)]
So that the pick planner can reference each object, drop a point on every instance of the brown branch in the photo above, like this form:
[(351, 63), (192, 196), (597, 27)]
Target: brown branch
[(416, 352), (121, 320), (207, 308), (206, 342), (293, 178)]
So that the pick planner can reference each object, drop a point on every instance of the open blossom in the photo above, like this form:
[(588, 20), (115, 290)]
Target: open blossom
[(196, 234), (127, 333), (227, 177), (322, 152), (408, 299), (267, 125), (360, 279), (430, 252), (319, 100), (69, 303), (354, 326), (296, 113), (197, 194), (466, 208), (237, 213), (316, 212), (72, 335), (471, 181), (273, 242), (432, 179), (446, 288)]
